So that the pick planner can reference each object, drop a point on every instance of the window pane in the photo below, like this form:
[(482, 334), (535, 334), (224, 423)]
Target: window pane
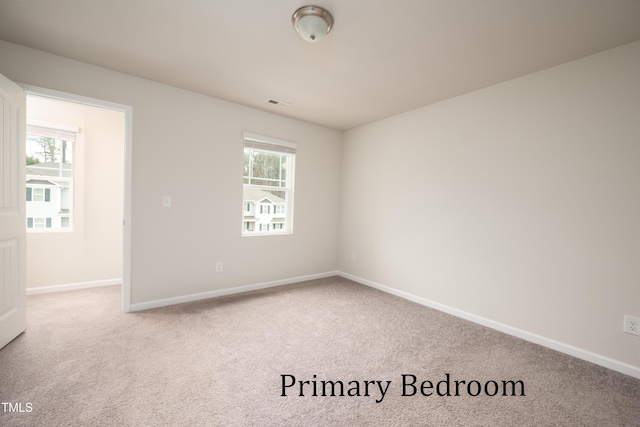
[(49, 171), (49, 156), (37, 195), (265, 168), (267, 207)]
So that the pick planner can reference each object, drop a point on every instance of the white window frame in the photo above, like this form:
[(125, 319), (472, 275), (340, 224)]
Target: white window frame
[(67, 133), (268, 144)]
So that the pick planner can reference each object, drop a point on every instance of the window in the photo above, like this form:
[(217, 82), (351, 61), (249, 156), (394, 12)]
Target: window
[(38, 222), (268, 182), (35, 194), (49, 155)]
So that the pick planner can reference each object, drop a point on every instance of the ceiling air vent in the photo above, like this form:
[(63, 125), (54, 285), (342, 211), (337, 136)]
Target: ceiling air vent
[(278, 103)]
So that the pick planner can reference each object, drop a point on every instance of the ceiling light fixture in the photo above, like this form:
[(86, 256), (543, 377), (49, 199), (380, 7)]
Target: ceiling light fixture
[(312, 22)]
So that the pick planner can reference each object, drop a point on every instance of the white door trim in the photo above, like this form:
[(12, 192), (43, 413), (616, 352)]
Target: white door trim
[(127, 110)]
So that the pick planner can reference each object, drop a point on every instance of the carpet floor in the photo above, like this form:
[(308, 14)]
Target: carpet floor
[(327, 352)]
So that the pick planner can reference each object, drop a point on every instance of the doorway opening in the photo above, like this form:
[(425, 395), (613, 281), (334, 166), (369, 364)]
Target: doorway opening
[(78, 193)]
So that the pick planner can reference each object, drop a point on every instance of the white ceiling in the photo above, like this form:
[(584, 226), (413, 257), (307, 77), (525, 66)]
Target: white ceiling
[(381, 58)]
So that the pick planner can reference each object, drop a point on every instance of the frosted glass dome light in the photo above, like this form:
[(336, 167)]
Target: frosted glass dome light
[(312, 22)]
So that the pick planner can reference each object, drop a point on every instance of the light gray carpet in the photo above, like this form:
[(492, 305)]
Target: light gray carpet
[(219, 362)]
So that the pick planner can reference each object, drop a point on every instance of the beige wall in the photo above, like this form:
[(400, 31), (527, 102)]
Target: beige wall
[(92, 252), (519, 203), (189, 146)]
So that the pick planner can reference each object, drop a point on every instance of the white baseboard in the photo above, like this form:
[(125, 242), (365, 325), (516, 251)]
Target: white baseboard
[(73, 286), (579, 353), (229, 291)]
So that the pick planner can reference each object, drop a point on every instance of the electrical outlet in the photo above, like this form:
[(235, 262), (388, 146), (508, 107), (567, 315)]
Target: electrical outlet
[(166, 201), (218, 267), (353, 256), (631, 325)]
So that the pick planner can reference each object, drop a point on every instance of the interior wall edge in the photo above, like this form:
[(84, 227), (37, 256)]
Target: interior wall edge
[(141, 306)]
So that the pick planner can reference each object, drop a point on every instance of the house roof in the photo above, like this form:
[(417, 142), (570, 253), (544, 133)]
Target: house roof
[(42, 182), (257, 195), (50, 169)]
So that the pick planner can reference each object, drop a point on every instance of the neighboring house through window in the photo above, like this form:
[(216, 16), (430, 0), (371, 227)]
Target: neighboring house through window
[(49, 178), (267, 185)]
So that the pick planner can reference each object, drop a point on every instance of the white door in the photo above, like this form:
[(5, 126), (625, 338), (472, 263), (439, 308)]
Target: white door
[(13, 319)]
